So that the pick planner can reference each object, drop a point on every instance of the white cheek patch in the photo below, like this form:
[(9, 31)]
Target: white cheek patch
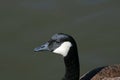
[(63, 48)]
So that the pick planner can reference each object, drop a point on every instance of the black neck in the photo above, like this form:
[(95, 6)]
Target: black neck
[(72, 64)]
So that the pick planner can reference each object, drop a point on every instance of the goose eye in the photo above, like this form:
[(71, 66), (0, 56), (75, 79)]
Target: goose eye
[(57, 41)]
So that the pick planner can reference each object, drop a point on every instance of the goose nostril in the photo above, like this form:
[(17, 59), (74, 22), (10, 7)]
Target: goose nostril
[(42, 46)]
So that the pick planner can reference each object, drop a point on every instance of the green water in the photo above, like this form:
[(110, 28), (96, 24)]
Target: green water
[(25, 24)]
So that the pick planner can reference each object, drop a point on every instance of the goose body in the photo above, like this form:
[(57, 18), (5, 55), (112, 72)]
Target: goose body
[(65, 45)]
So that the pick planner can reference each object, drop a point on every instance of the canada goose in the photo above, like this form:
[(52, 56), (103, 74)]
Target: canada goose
[(65, 45)]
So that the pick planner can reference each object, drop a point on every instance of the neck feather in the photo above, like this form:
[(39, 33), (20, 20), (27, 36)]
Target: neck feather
[(72, 64)]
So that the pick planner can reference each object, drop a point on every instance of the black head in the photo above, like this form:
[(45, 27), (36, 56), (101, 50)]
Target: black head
[(59, 43), (65, 45)]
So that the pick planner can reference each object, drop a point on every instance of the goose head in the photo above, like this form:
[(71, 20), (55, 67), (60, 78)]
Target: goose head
[(64, 45), (59, 43)]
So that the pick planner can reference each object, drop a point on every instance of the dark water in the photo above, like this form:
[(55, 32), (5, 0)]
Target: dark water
[(24, 24)]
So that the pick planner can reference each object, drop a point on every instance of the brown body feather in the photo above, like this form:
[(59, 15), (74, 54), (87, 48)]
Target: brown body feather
[(111, 72)]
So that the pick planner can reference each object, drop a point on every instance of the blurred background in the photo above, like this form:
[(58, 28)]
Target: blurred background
[(25, 24)]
